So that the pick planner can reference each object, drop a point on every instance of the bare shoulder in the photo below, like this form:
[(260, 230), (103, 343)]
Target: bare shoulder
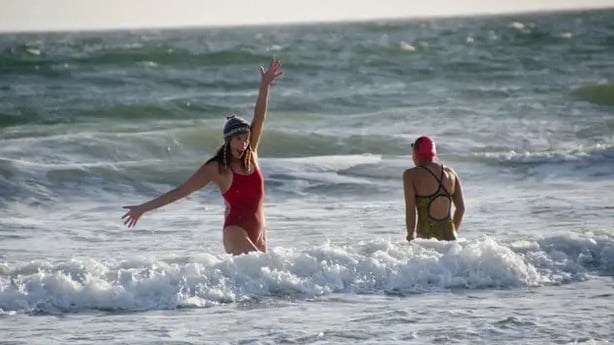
[(210, 168), (451, 171), (408, 174), (211, 172)]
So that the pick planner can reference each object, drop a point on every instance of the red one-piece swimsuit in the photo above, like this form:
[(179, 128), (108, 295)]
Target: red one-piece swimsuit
[(244, 200)]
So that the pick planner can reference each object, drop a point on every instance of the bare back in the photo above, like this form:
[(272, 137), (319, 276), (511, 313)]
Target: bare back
[(425, 183)]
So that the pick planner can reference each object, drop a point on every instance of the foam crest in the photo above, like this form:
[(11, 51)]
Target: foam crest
[(377, 267), (593, 153), (596, 160)]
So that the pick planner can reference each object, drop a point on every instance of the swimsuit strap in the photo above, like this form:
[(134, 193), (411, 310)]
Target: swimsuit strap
[(440, 192), (439, 180)]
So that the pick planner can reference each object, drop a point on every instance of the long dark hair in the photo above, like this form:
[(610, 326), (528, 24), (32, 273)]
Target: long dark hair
[(223, 157)]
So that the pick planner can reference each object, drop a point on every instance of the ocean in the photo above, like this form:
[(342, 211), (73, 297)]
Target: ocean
[(521, 106)]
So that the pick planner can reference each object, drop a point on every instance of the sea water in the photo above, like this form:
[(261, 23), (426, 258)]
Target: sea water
[(521, 106)]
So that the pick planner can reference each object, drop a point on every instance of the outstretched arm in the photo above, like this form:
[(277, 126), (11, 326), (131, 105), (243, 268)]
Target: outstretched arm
[(267, 76), (410, 205), (198, 180), (459, 203)]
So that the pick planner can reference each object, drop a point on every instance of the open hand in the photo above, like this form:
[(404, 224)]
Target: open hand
[(132, 216), (268, 75)]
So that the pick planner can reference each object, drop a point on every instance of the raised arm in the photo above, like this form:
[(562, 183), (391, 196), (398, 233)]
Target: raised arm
[(459, 203), (267, 76), (410, 205), (198, 180)]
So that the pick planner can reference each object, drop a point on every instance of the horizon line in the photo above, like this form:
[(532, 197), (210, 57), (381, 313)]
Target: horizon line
[(171, 27)]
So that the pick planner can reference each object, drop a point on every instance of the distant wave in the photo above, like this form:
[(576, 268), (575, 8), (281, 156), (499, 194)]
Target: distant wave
[(173, 56), (28, 59), (183, 135), (27, 180), (306, 165), (596, 153), (597, 94), (374, 267), (596, 161)]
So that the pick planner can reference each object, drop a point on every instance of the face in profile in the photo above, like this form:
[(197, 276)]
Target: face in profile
[(238, 145)]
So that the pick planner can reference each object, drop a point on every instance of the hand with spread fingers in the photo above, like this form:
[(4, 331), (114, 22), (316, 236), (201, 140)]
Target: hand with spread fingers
[(132, 216), (267, 76)]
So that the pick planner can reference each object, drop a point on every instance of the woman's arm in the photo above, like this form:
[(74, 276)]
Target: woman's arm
[(410, 205), (266, 78), (198, 180), (459, 203)]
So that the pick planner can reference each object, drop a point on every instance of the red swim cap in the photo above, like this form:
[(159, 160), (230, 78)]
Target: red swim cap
[(424, 148)]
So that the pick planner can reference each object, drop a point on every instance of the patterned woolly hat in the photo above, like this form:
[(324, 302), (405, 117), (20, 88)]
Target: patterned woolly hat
[(235, 125)]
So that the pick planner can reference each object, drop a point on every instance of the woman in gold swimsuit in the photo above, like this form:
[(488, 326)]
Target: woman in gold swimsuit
[(430, 190)]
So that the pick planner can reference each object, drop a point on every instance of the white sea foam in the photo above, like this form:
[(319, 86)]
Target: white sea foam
[(374, 267)]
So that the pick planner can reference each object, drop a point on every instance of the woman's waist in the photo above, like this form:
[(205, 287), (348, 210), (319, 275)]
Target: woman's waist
[(427, 221), (245, 213), (247, 220), (251, 201), (247, 207)]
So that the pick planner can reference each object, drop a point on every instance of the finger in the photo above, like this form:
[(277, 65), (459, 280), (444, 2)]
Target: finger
[(272, 63), (279, 74), (129, 221), (262, 71), (126, 215)]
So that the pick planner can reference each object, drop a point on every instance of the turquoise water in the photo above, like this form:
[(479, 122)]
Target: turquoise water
[(520, 106)]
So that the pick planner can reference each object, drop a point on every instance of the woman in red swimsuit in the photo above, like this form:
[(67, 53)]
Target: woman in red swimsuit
[(234, 169)]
